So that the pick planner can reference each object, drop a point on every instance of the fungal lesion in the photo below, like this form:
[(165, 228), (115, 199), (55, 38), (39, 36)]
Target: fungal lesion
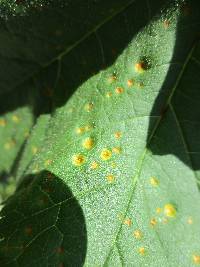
[(139, 85), (60, 250), (196, 259), (78, 160), (154, 181), (153, 222), (28, 230), (10, 144), (138, 234), (170, 210), (118, 134), (142, 251), (130, 82), (94, 165), (34, 150), (88, 143), (116, 150), (105, 154), (79, 130), (112, 78), (83, 129), (48, 162), (113, 164), (2, 122), (190, 220), (142, 65), (108, 94), (89, 127), (89, 106), (158, 210), (15, 118), (110, 178), (119, 90), (166, 24), (128, 222)]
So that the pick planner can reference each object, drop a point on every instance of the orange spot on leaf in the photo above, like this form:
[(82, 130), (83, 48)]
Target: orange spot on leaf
[(128, 222), (119, 90)]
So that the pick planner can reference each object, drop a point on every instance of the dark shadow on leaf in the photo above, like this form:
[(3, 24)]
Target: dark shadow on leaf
[(177, 104), (44, 35), (43, 222)]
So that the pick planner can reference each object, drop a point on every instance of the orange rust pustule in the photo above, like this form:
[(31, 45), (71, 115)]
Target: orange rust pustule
[(60, 250), (28, 230)]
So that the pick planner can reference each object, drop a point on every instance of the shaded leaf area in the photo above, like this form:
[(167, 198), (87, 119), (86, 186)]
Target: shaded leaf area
[(14, 130), (16, 127), (21, 7), (7, 186), (33, 41), (42, 225), (33, 146), (181, 122)]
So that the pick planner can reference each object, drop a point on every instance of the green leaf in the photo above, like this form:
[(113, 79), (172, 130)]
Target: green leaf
[(17, 118), (114, 182), (51, 201), (14, 130), (182, 115), (34, 144), (40, 34)]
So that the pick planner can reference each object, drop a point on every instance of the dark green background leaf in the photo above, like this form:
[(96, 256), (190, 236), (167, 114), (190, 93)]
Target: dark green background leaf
[(41, 235)]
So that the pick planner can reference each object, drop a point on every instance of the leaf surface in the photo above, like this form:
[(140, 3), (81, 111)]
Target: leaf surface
[(36, 33), (115, 180)]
